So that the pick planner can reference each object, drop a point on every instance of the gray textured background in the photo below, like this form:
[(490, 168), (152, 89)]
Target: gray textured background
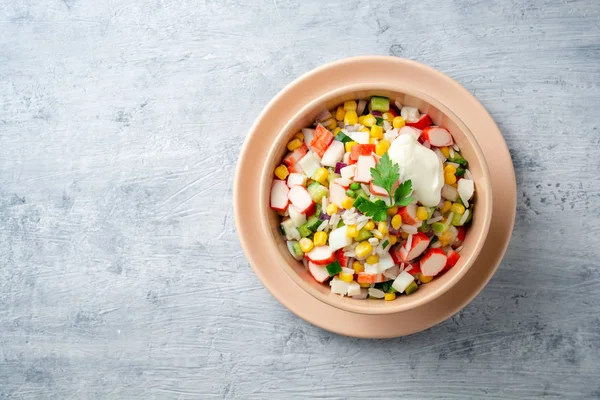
[(121, 275)]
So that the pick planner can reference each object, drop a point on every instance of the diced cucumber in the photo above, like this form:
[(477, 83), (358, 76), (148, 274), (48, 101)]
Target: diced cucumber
[(287, 228), (456, 219), (332, 176), (379, 121), (410, 289), (317, 191), (384, 244), (355, 186), (359, 200), (334, 268), (351, 193), (470, 217), (433, 240), (458, 159), (342, 137), (386, 287), (318, 209), (340, 224), (304, 230), (460, 172), (424, 227), (363, 234), (295, 250), (439, 228), (313, 222), (380, 103)]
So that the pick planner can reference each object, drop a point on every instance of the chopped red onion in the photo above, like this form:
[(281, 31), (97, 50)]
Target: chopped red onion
[(339, 166)]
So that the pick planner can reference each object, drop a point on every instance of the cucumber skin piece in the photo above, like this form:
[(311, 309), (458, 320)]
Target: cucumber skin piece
[(304, 230), (380, 103), (313, 222), (363, 234), (342, 137), (334, 268), (295, 249), (410, 289), (317, 191)]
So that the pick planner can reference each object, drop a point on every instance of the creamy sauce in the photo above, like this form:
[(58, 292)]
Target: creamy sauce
[(422, 166)]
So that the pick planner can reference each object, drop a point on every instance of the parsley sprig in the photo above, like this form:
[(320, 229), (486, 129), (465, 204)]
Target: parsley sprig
[(386, 174)]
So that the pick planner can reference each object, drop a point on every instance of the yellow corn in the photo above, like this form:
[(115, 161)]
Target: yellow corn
[(446, 152), (281, 172), (373, 259), (321, 175), (392, 210), (337, 130), (330, 123), (422, 213), (398, 122), (350, 145), (446, 207), (357, 266), (396, 221), (339, 113), (364, 284), (445, 238), (320, 238), (449, 179), (364, 129), (363, 249), (351, 231), (306, 245), (377, 132), (425, 279), (350, 105), (458, 208), (390, 296), (369, 120), (345, 276), (380, 149), (299, 136), (388, 116), (383, 227), (369, 226), (331, 209), (350, 118), (404, 235), (386, 143), (373, 141), (294, 144), (393, 240), (450, 169), (347, 202)]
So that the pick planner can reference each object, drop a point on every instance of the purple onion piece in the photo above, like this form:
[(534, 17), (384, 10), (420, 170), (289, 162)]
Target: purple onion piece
[(394, 232), (339, 166), (324, 216), (376, 114)]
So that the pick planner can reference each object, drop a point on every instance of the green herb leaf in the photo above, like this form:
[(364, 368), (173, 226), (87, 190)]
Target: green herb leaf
[(377, 209), (402, 194), (385, 173)]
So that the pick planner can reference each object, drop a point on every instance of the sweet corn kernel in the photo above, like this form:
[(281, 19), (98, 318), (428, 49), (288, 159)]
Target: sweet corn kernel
[(299, 136), (450, 169), (383, 227), (350, 145), (445, 238), (365, 129), (373, 259), (396, 221), (373, 141), (306, 245), (357, 266), (404, 235), (346, 277), (281, 172), (331, 209), (321, 175), (377, 132), (350, 105), (425, 279), (370, 226), (350, 118), (337, 130), (390, 296), (392, 210), (364, 284), (320, 238), (369, 120), (363, 249), (294, 144), (458, 208), (446, 207), (398, 122), (388, 116), (422, 213), (380, 149), (445, 151), (449, 179), (386, 143), (347, 202), (339, 113), (331, 123), (393, 240), (351, 231)]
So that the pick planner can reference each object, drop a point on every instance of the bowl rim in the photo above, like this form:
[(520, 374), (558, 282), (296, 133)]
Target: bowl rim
[(362, 306)]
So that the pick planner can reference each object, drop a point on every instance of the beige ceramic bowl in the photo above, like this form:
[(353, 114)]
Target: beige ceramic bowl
[(303, 114)]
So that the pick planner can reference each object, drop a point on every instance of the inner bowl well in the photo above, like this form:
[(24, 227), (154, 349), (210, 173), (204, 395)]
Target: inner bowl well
[(441, 116)]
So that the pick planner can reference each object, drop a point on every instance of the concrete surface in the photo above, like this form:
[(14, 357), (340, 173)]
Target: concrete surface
[(121, 275)]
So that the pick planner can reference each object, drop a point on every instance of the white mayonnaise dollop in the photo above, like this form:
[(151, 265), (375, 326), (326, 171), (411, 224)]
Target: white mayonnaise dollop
[(422, 166)]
